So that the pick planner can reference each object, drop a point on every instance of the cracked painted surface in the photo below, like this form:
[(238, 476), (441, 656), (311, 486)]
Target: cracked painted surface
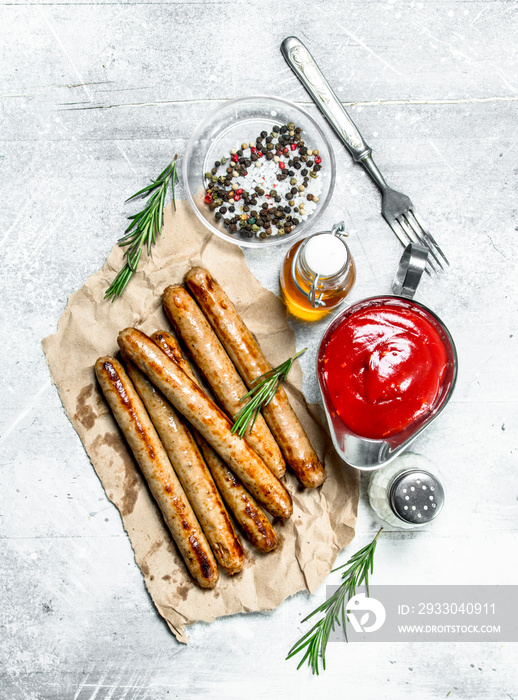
[(95, 98)]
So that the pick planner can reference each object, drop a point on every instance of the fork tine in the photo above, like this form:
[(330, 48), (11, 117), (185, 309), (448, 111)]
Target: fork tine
[(428, 235), (404, 239), (415, 238), (422, 239)]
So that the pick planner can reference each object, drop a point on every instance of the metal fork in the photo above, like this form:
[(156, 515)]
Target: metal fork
[(397, 208)]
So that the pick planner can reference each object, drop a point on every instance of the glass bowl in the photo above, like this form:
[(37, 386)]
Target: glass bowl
[(242, 120)]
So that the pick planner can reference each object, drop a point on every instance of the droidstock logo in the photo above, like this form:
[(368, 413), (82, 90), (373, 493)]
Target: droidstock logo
[(373, 613)]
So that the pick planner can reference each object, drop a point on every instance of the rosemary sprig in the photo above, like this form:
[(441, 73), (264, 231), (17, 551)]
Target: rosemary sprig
[(315, 641), (145, 226), (262, 392)]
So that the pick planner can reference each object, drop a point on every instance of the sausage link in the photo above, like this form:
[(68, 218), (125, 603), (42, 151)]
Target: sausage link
[(152, 459), (217, 368), (257, 528), (192, 471), (208, 419), (250, 362), (172, 349)]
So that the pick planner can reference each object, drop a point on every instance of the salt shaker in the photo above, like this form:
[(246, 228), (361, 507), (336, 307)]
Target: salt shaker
[(407, 493), (317, 274)]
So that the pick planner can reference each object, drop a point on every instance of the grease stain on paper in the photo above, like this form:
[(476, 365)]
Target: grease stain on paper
[(84, 412), (131, 484)]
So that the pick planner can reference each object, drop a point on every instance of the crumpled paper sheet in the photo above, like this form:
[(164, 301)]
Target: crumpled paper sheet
[(323, 521)]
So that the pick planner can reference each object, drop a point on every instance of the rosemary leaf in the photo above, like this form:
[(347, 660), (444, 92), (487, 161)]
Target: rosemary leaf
[(261, 393), (144, 227), (315, 641)]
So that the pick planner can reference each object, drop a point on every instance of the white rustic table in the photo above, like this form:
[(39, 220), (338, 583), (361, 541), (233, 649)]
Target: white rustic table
[(96, 97)]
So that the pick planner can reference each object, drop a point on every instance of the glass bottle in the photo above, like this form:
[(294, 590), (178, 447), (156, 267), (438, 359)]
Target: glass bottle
[(406, 493), (317, 274)]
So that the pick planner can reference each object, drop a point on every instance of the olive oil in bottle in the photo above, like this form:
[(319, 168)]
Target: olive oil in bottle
[(317, 274)]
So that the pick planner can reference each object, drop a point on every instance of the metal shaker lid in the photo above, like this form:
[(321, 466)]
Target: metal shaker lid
[(416, 496)]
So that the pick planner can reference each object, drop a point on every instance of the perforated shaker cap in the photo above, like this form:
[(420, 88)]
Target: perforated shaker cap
[(416, 496)]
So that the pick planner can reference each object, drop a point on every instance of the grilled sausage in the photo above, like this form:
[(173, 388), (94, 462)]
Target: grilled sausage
[(250, 362), (208, 419), (257, 528), (192, 471), (152, 459), (217, 368)]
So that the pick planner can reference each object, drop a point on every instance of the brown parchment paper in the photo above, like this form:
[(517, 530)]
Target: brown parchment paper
[(323, 521)]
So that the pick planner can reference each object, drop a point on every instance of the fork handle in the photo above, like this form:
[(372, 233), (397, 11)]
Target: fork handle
[(303, 65)]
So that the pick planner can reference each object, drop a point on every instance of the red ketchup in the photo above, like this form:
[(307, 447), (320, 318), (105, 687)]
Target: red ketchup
[(383, 368)]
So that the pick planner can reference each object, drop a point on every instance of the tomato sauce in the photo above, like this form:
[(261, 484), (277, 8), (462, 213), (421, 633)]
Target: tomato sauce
[(383, 369)]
